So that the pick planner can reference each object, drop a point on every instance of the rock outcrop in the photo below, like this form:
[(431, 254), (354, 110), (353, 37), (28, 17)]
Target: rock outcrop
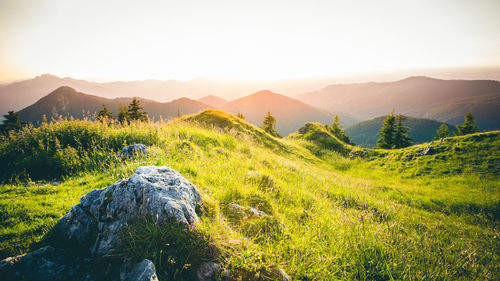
[(89, 232), (133, 150)]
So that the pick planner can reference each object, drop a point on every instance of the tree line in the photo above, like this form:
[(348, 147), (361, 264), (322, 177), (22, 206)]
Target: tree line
[(132, 112), (394, 134), (468, 127)]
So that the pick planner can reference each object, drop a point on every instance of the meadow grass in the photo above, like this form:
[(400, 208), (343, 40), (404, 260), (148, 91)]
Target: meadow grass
[(328, 217)]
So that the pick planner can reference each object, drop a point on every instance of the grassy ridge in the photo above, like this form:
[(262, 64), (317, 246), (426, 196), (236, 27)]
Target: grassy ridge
[(471, 154), (328, 217)]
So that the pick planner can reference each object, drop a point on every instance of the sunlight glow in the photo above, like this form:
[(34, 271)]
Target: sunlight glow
[(125, 40)]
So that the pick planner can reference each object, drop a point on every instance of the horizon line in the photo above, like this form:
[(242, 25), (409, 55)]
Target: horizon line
[(405, 72)]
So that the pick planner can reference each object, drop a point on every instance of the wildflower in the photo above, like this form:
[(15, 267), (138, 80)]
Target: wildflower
[(186, 265)]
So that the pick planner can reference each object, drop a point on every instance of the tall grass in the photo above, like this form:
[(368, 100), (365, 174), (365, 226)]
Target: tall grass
[(327, 217)]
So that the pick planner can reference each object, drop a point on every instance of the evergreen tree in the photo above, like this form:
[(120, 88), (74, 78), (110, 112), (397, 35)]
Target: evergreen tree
[(11, 122), (269, 125), (337, 130), (134, 111), (401, 138), (469, 126), (386, 139), (104, 114), (178, 113), (123, 115), (442, 132), (240, 115)]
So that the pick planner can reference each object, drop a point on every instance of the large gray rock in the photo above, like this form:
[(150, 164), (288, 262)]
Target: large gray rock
[(158, 192), (133, 150), (90, 230), (46, 263)]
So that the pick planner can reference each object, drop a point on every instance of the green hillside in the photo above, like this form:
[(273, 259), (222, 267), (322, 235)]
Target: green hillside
[(422, 130), (333, 211)]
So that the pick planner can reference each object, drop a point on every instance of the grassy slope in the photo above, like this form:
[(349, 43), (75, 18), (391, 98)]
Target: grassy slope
[(344, 219)]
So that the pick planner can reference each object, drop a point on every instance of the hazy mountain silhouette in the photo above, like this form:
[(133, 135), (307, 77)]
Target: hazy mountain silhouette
[(214, 101), (443, 100), (290, 113), (422, 130), (19, 94), (66, 101)]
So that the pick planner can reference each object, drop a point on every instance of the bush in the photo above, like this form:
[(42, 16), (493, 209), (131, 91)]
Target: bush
[(64, 148)]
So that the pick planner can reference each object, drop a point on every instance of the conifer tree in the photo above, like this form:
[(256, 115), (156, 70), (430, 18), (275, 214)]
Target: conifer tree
[(401, 138), (337, 130), (269, 125), (104, 114), (386, 139), (442, 132), (240, 116), (134, 111), (469, 125), (11, 122), (123, 115)]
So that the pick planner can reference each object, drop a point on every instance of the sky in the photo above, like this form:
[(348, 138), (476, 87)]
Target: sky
[(253, 40)]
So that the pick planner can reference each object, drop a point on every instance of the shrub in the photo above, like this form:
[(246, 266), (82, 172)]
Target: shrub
[(64, 148)]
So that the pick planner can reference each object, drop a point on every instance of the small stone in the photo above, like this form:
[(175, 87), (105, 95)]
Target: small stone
[(143, 271), (133, 150), (256, 213), (284, 276), (207, 271), (237, 208)]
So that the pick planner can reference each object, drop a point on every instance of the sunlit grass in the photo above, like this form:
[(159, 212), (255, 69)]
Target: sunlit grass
[(328, 217)]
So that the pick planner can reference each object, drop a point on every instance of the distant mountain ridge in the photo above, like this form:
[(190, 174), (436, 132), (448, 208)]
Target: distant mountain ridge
[(17, 95), (422, 97), (66, 101), (214, 101), (290, 114), (421, 130)]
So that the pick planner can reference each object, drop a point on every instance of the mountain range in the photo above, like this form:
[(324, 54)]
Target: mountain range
[(67, 102), (291, 114), (423, 97), (20, 94)]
